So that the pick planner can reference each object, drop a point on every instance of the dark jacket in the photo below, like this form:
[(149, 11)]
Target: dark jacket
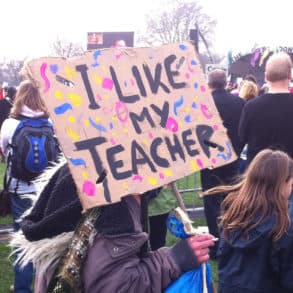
[(5, 107), (266, 122), (115, 261), (229, 108), (255, 263)]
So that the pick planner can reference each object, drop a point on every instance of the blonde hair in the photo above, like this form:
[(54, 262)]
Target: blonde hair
[(278, 67), (258, 195), (248, 90), (28, 94)]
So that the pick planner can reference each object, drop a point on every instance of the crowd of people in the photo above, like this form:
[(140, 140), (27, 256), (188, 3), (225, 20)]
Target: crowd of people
[(248, 206)]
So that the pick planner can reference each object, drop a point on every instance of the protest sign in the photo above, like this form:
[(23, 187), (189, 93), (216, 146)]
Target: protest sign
[(132, 119)]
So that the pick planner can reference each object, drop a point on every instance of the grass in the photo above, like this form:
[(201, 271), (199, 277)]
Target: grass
[(191, 199)]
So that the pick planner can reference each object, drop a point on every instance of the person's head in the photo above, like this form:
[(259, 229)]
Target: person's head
[(28, 95), (278, 68), (248, 90), (263, 191), (217, 79), (250, 77), (5, 88), (11, 92)]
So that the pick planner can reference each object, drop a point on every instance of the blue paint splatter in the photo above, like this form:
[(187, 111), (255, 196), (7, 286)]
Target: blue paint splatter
[(54, 68), (194, 106), (193, 62), (125, 83), (111, 125), (178, 104), (187, 119), (195, 85), (96, 55), (229, 155), (62, 108), (77, 162), (97, 126), (182, 47)]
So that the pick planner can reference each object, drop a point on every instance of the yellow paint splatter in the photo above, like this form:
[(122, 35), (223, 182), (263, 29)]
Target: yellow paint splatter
[(196, 98), (187, 110), (200, 118), (75, 99), (58, 95), (70, 73), (71, 119), (104, 68), (194, 166), (106, 97), (145, 142), (152, 181), (180, 124), (98, 119), (84, 175), (114, 118), (125, 130), (72, 134), (114, 133), (97, 79), (86, 122), (168, 172), (125, 186)]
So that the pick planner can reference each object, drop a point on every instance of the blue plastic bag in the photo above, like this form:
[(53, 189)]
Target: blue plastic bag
[(191, 281)]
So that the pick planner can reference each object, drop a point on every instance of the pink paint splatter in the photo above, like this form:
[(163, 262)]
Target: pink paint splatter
[(137, 178), (216, 127), (99, 98), (214, 161), (88, 188), (132, 81), (172, 124), (205, 111), (199, 163), (45, 78), (203, 88), (162, 176), (107, 83), (151, 136), (187, 75), (121, 111), (113, 141)]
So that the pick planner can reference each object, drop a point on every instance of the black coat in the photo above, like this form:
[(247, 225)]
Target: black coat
[(267, 122), (229, 108)]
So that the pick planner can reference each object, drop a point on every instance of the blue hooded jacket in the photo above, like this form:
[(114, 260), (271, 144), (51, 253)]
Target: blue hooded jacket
[(254, 263)]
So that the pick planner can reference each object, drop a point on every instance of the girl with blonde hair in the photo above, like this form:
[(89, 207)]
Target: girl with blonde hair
[(27, 104), (255, 250), (248, 90)]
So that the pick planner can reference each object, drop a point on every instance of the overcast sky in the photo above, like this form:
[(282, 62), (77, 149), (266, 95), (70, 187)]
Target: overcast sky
[(29, 27)]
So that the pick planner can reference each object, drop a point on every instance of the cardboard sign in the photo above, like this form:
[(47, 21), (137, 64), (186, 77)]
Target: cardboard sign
[(132, 119)]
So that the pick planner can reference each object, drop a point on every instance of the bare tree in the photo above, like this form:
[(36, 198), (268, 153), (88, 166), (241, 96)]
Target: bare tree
[(10, 71), (174, 24), (66, 49)]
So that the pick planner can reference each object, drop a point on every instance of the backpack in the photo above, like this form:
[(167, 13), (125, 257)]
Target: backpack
[(32, 148)]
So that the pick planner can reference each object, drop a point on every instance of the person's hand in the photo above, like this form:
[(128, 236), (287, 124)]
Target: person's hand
[(200, 245)]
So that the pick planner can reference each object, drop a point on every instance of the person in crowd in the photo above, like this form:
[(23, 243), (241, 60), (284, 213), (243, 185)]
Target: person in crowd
[(27, 103), (4, 88), (248, 90), (159, 208), (229, 107), (255, 250), (266, 121), (6, 104), (116, 260)]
